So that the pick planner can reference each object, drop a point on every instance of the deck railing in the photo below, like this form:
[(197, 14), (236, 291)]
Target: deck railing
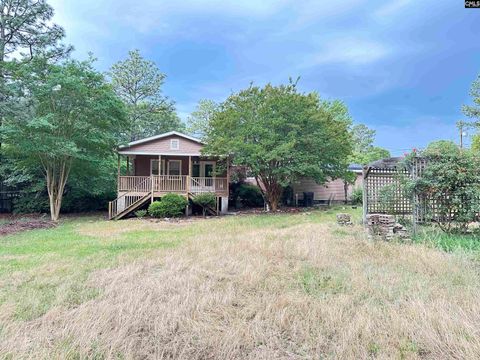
[(170, 183), (208, 184), (128, 183), (173, 183)]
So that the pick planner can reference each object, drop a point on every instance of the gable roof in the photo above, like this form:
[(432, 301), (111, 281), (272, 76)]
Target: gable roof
[(160, 136)]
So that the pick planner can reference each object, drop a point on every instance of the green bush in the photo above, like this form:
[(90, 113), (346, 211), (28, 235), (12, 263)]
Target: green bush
[(205, 200), (357, 196), (170, 205), (249, 195), (140, 213)]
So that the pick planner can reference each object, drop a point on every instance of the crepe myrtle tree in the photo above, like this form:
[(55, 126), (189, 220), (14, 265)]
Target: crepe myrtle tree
[(72, 118), (281, 134)]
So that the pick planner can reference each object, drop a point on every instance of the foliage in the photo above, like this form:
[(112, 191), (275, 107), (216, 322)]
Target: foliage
[(199, 120), (357, 196), (447, 241), (138, 82), (451, 181), (71, 120), (26, 29), (473, 111), (364, 152), (388, 196), (170, 205), (441, 147), (281, 135), (205, 200), (249, 195), (140, 213)]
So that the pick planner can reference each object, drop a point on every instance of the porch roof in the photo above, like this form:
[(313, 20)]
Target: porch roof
[(155, 153)]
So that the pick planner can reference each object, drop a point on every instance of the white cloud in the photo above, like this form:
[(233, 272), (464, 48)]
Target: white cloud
[(391, 8), (348, 51)]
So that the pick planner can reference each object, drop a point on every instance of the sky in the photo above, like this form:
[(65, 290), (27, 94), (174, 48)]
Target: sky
[(403, 67)]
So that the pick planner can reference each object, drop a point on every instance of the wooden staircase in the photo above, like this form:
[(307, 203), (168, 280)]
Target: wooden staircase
[(131, 200), (212, 211)]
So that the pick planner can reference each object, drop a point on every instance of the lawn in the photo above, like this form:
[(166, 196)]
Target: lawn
[(255, 286)]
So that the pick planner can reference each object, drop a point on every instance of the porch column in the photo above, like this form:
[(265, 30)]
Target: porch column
[(118, 172), (128, 165)]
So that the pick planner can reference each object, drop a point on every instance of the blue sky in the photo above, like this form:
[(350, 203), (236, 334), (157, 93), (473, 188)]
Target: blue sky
[(403, 67)]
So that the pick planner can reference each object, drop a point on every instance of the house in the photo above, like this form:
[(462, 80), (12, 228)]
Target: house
[(163, 164), (331, 192)]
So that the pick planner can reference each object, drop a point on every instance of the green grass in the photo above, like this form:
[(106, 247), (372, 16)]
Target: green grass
[(43, 268), (447, 242)]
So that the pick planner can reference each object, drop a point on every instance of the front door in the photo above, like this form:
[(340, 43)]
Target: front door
[(207, 172)]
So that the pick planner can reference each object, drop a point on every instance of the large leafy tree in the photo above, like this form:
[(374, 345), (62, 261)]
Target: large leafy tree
[(138, 82), (72, 119), (199, 120), (26, 30), (364, 151), (281, 134)]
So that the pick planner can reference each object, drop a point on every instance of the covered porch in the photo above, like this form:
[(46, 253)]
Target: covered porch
[(171, 174)]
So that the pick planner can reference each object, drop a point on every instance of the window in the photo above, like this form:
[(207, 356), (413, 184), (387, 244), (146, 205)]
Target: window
[(154, 167), (174, 144), (175, 167)]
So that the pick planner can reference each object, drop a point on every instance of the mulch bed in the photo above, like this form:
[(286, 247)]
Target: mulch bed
[(23, 225)]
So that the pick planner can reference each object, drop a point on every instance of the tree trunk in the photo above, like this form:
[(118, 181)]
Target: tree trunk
[(56, 174), (273, 195)]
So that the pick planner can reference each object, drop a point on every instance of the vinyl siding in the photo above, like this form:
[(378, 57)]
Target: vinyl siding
[(333, 190)]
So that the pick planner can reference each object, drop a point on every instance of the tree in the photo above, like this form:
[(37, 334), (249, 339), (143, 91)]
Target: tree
[(364, 152), (281, 134), (138, 82), (26, 30), (449, 185), (473, 111), (199, 120), (73, 119)]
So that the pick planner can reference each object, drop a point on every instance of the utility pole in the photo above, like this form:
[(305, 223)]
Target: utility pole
[(461, 125)]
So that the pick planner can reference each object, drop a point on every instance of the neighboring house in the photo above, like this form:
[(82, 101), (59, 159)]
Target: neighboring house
[(332, 191), (162, 164)]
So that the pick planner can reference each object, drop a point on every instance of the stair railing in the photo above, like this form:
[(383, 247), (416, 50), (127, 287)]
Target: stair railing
[(129, 199)]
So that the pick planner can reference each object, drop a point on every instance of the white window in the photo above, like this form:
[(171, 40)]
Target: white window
[(175, 167), (174, 144)]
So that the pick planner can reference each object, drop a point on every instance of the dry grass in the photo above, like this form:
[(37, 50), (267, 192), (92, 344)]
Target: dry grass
[(259, 288)]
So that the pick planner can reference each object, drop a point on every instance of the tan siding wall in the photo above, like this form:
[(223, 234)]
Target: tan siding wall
[(163, 146), (333, 189)]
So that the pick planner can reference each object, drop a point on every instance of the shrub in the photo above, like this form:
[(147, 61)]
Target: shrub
[(170, 205), (249, 195), (450, 188), (205, 200), (357, 196), (140, 213)]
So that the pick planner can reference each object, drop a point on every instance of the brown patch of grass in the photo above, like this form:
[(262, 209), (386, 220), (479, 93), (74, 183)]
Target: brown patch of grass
[(244, 292)]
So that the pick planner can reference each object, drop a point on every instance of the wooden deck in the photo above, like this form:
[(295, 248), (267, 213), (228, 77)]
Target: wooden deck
[(180, 184), (133, 191)]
